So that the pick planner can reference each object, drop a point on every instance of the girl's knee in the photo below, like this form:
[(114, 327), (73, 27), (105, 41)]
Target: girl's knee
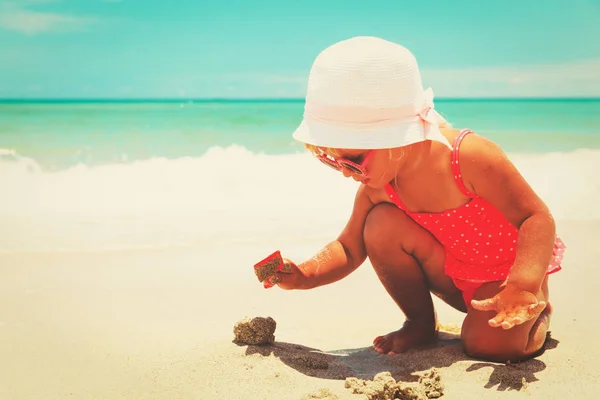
[(506, 349), (381, 229)]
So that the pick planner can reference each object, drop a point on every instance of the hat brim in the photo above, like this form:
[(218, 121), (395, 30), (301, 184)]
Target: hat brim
[(385, 136)]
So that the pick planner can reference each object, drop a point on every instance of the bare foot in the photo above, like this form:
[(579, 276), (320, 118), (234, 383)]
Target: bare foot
[(411, 335)]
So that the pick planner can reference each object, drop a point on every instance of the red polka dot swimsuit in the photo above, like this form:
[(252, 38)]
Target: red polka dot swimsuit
[(480, 242)]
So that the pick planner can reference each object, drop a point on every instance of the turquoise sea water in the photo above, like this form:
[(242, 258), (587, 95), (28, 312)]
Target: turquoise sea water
[(79, 176), (60, 134)]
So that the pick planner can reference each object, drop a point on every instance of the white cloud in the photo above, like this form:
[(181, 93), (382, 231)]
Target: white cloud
[(14, 16), (577, 78)]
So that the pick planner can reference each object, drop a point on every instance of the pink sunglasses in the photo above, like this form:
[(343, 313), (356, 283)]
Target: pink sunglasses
[(338, 164)]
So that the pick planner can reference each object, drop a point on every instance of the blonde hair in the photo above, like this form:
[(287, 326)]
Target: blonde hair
[(316, 150)]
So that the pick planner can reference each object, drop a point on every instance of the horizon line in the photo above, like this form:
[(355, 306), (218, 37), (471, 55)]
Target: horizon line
[(260, 99)]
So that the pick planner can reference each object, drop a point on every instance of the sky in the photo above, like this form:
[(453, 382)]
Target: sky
[(265, 48)]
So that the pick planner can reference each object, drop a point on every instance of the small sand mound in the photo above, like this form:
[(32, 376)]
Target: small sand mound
[(322, 394), (382, 387), (431, 383), (257, 331), (385, 387)]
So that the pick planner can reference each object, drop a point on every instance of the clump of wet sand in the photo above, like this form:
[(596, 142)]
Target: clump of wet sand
[(255, 331), (384, 387), (261, 331), (266, 268)]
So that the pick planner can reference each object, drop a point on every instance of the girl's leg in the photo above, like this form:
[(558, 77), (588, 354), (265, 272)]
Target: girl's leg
[(409, 262), (496, 344)]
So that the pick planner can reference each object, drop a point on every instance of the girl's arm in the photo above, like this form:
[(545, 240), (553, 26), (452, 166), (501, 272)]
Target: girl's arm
[(487, 172), (340, 257)]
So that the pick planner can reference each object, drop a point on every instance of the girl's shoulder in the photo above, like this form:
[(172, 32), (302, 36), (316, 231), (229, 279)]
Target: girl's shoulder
[(471, 143), (481, 160), (475, 146)]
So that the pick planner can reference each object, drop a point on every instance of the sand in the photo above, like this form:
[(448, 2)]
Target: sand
[(158, 324)]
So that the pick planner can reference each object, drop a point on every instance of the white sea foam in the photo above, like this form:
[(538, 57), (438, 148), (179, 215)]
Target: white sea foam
[(227, 195)]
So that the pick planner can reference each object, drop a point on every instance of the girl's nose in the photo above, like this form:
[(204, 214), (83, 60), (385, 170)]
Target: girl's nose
[(346, 172)]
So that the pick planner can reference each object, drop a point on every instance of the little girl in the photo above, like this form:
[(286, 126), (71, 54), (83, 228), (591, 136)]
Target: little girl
[(439, 210)]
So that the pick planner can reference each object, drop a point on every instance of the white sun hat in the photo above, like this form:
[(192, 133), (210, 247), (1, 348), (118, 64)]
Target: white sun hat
[(367, 93)]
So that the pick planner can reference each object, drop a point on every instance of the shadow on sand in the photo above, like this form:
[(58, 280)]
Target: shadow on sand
[(514, 376), (365, 363)]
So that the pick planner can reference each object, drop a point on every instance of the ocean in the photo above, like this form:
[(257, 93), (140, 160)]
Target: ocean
[(108, 175)]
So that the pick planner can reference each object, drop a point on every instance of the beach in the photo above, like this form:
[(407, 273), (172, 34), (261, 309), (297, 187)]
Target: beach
[(156, 325), (130, 230), (149, 162)]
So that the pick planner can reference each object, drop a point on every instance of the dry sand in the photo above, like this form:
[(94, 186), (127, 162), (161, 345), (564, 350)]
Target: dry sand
[(159, 325)]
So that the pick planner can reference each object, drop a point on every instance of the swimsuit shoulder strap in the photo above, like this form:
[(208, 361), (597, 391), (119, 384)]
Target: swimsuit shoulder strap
[(455, 167)]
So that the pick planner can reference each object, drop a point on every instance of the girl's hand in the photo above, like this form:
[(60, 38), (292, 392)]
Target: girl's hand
[(512, 305), (291, 277)]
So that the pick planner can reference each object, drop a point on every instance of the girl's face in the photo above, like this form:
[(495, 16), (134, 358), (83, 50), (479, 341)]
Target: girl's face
[(374, 168)]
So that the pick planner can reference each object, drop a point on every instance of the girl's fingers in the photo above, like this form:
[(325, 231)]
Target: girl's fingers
[(484, 305), (497, 320)]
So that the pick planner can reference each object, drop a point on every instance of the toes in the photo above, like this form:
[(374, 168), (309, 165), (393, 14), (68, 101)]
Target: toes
[(379, 344)]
